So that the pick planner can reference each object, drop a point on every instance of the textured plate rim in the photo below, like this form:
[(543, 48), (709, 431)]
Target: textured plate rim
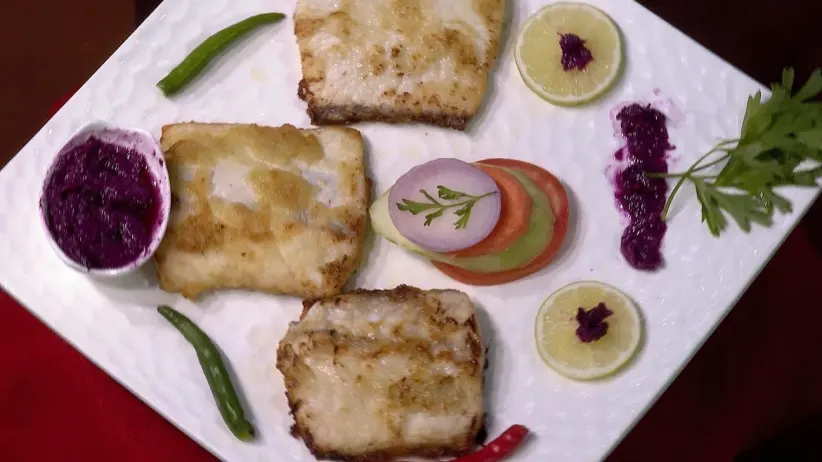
[(779, 238)]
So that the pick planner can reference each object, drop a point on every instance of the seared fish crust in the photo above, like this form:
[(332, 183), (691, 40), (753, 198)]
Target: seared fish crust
[(396, 60), (380, 374), (274, 209)]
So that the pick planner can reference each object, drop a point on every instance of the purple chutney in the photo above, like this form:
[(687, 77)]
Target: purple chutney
[(102, 204), (591, 323), (574, 53), (641, 197)]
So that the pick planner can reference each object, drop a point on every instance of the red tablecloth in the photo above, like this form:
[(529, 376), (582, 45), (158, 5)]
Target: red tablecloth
[(758, 374)]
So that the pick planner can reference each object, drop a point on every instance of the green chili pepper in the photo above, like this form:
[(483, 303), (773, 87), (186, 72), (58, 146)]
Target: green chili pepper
[(199, 58), (218, 379)]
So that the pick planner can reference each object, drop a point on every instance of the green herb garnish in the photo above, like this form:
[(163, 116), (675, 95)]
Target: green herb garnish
[(438, 208), (777, 136), (209, 49)]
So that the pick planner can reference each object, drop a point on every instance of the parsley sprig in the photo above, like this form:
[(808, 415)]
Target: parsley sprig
[(777, 136), (438, 208)]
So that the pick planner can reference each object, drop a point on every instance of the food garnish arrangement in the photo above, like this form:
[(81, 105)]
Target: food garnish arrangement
[(286, 210)]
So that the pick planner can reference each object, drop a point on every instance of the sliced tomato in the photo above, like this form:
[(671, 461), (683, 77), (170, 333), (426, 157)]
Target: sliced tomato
[(551, 186), (514, 218)]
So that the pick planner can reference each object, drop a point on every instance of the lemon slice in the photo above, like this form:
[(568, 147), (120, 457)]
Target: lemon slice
[(539, 57), (561, 348)]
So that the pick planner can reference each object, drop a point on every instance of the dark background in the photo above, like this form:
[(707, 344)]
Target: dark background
[(756, 378), (51, 47)]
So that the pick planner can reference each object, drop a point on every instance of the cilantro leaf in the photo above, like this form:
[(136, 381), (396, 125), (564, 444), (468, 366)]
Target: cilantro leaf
[(756, 119), (414, 207), (450, 194), (711, 214), (771, 200), (791, 121), (777, 136), (787, 78), (431, 216), (436, 208), (807, 177), (812, 87), (429, 197), (743, 208), (463, 213), (811, 138)]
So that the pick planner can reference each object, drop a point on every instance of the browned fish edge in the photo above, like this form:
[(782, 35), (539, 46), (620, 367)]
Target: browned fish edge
[(394, 454), (433, 451), (474, 437), (398, 294), (341, 115)]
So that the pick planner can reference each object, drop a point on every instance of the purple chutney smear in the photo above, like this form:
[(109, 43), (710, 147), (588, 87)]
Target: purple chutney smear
[(102, 204), (574, 53), (592, 325), (641, 197)]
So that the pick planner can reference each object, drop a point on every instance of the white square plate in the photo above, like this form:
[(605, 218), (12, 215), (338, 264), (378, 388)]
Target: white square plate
[(116, 325)]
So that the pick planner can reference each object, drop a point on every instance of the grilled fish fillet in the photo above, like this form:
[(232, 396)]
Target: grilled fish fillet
[(396, 60), (374, 375), (273, 209)]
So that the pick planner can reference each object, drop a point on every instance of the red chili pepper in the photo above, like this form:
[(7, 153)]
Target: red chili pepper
[(500, 448)]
